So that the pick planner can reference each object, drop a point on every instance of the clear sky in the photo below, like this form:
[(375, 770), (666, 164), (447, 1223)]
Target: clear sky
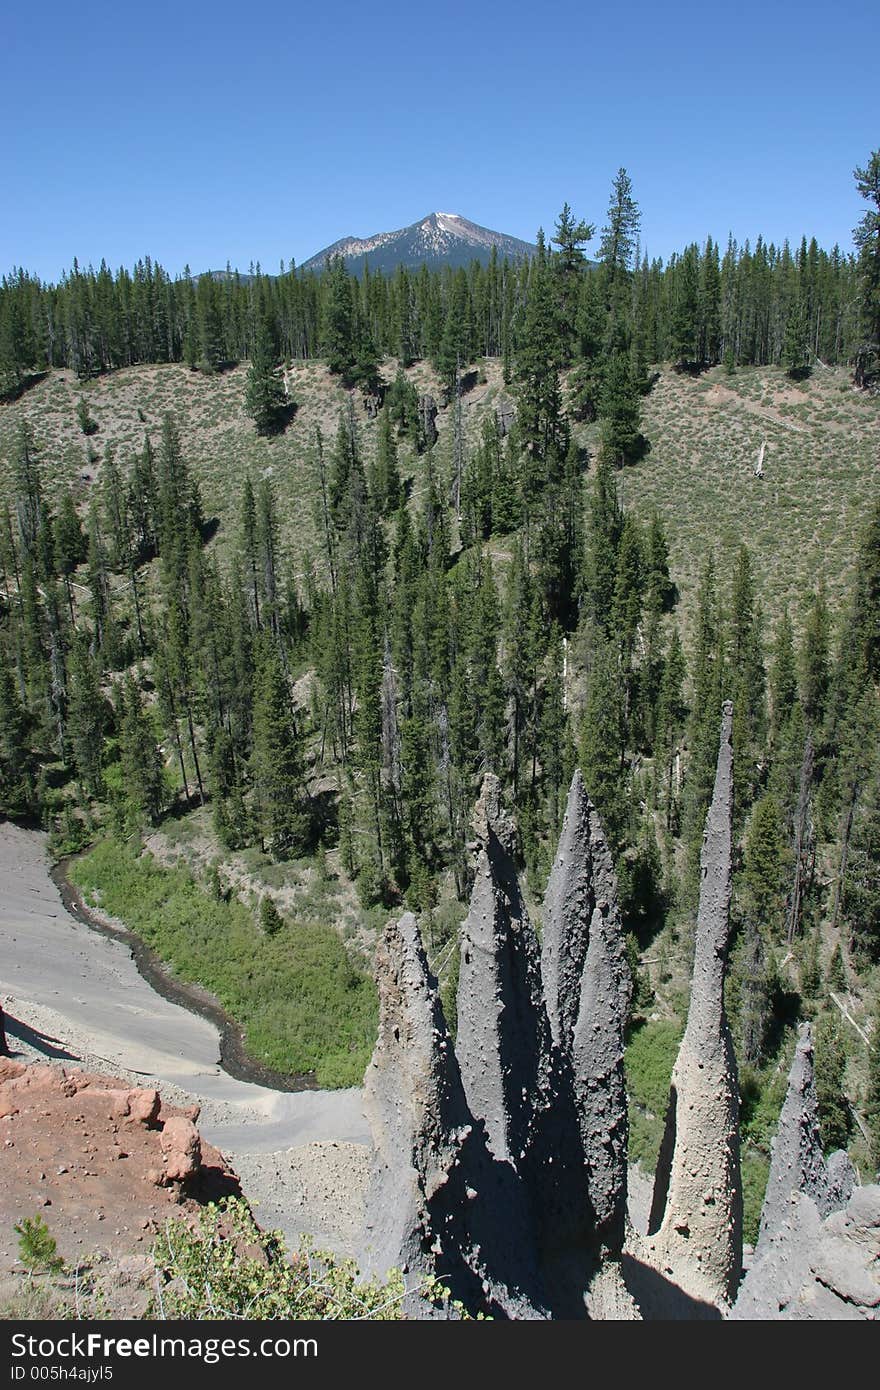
[(204, 133)]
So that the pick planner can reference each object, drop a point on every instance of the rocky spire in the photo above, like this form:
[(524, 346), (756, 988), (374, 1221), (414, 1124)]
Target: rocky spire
[(437, 1203), (503, 1037), (587, 994), (414, 1103), (695, 1229), (797, 1163), (514, 1079)]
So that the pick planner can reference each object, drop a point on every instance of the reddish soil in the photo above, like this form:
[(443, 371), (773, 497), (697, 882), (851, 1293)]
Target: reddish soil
[(99, 1162)]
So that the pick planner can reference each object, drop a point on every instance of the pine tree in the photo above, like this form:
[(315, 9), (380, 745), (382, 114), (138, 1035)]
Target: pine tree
[(866, 237), (280, 808), (602, 744), (541, 424), (386, 487), (604, 528), (748, 679), (569, 266), (70, 543), (337, 326), (620, 235), (783, 680), (264, 397), (619, 411), (765, 865), (669, 727), (795, 348), (142, 779), (861, 888), (16, 760), (705, 716), (814, 660), (86, 716)]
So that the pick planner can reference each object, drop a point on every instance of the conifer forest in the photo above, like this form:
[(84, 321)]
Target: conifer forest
[(255, 665)]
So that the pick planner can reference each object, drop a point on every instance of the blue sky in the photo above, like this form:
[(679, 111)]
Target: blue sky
[(200, 134)]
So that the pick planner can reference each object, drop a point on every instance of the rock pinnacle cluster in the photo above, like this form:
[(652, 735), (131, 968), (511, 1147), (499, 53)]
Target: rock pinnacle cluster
[(500, 1159)]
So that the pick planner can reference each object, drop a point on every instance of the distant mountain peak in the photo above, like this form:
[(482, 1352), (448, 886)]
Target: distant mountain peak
[(440, 238)]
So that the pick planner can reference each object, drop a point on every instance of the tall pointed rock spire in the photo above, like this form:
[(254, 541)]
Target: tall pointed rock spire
[(695, 1229), (437, 1204), (587, 994), (797, 1163), (503, 1037)]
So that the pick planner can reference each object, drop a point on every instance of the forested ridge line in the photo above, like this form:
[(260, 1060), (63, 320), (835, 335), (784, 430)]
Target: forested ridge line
[(753, 304)]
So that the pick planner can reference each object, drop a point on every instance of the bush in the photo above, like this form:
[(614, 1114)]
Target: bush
[(227, 1268), (37, 1248), (755, 1170)]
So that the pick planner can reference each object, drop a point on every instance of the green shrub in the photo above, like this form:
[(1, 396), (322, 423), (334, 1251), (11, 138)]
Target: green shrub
[(755, 1168), (227, 1268), (37, 1248)]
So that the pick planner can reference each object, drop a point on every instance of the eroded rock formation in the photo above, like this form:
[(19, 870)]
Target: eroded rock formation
[(501, 1143), (695, 1229), (807, 1268), (500, 1162), (587, 994), (797, 1162), (438, 1203), (503, 1039)]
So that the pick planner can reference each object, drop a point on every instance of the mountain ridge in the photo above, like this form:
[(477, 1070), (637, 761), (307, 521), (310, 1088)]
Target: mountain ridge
[(440, 238)]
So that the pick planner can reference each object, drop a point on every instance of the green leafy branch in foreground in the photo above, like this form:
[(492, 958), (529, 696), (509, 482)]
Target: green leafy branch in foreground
[(227, 1268)]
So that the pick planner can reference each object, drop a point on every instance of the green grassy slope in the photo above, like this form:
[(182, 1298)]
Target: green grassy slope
[(801, 522)]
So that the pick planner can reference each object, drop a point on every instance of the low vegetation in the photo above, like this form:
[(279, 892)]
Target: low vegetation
[(305, 1006), (227, 1268)]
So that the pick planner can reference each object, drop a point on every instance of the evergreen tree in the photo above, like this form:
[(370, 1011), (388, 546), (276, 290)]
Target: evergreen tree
[(602, 744), (569, 265), (541, 423), (264, 397), (872, 1095), (141, 763), (86, 716), (16, 760), (70, 543), (747, 678), (619, 411), (386, 489), (814, 660), (620, 235), (337, 327), (604, 528), (866, 237), (861, 888), (765, 863), (280, 809)]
